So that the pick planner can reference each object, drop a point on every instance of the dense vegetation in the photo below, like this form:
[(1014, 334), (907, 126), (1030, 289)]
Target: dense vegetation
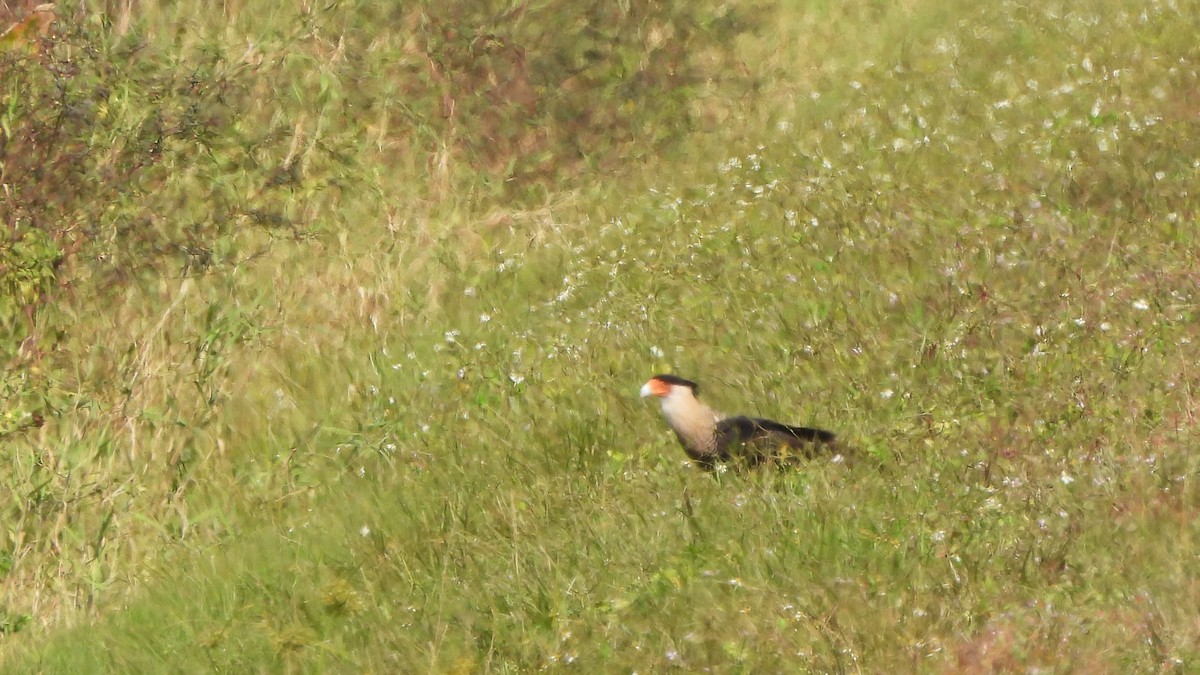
[(322, 326)]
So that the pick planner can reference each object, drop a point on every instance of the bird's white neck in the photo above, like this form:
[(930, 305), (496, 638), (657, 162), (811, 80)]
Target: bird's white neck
[(691, 420)]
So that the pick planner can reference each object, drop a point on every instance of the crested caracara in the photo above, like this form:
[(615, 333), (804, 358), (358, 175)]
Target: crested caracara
[(709, 437)]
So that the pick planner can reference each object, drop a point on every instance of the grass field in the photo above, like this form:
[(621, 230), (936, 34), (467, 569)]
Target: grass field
[(397, 428)]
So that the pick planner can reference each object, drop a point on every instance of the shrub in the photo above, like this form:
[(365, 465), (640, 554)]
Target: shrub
[(88, 136), (125, 158), (539, 91)]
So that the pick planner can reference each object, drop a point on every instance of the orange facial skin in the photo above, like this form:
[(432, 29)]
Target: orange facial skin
[(658, 387)]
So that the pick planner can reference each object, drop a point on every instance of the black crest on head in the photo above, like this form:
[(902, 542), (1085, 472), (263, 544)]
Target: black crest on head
[(674, 380)]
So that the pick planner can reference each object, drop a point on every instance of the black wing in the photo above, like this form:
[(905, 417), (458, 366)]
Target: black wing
[(763, 439)]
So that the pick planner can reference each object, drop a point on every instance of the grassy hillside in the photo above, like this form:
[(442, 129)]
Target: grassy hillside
[(370, 403)]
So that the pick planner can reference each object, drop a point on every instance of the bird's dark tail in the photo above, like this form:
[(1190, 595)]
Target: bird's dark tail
[(803, 434), (806, 443)]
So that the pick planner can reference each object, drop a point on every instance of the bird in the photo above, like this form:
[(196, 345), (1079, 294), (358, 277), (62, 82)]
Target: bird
[(711, 439)]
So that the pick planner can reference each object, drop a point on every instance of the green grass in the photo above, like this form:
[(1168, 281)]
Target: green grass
[(406, 437)]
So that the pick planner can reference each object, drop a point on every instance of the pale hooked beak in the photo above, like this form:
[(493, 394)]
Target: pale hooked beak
[(646, 392)]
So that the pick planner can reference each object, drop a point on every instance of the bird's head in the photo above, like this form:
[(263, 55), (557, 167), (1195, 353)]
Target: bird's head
[(663, 386)]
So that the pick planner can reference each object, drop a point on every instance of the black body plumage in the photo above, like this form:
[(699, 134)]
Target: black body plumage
[(753, 439)]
